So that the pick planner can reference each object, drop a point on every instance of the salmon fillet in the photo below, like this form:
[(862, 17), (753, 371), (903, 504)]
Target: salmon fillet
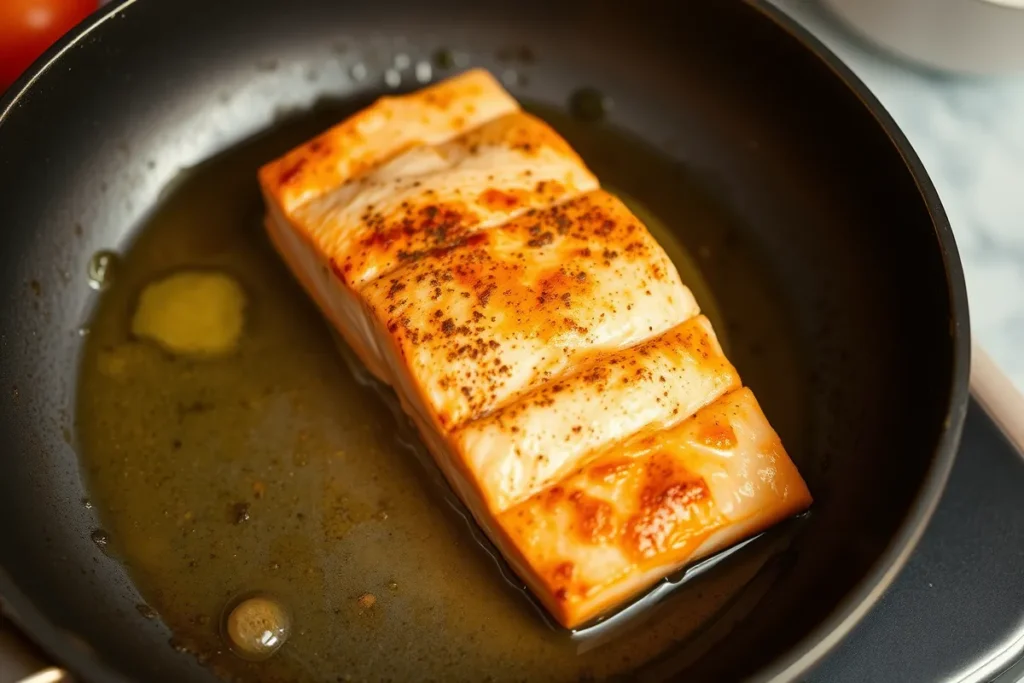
[(554, 363)]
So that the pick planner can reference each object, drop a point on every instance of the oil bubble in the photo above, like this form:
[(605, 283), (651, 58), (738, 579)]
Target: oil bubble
[(102, 268), (256, 627), (423, 72)]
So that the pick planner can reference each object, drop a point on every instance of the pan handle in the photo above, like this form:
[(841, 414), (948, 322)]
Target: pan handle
[(998, 396)]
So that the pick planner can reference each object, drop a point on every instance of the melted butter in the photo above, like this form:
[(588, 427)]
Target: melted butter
[(340, 500), (191, 313)]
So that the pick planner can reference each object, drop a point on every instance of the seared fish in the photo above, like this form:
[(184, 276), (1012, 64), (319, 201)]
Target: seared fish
[(557, 368)]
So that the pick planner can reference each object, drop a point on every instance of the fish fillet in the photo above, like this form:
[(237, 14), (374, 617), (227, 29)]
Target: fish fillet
[(557, 368)]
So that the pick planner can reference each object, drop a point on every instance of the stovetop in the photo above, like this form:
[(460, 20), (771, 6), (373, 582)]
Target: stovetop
[(956, 611), (954, 614)]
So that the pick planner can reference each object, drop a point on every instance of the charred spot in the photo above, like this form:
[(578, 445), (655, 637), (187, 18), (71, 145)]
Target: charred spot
[(336, 270), (717, 435), (448, 327), (562, 223), (396, 287), (564, 571), (605, 228), (320, 146), (541, 240), (496, 199), (595, 517), (292, 171), (609, 471), (667, 499), (554, 494)]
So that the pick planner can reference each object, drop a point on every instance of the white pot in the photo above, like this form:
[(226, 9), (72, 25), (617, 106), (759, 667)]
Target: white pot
[(966, 36)]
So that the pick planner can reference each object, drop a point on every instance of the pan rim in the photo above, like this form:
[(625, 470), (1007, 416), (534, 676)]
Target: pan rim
[(810, 650), (859, 601)]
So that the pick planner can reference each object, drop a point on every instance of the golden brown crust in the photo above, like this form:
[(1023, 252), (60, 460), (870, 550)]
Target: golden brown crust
[(432, 196), (381, 131), (646, 506), (568, 281)]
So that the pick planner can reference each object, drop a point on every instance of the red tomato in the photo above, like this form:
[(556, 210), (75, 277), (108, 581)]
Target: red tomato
[(28, 27)]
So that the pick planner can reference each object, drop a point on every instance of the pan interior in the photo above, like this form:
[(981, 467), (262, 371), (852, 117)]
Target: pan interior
[(794, 212), (275, 469)]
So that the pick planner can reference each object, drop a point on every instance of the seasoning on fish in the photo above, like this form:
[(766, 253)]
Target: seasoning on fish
[(557, 368)]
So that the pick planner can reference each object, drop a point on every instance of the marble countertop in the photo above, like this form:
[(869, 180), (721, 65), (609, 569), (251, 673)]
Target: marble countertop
[(969, 133)]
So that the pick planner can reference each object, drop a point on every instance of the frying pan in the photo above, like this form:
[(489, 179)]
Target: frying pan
[(826, 223)]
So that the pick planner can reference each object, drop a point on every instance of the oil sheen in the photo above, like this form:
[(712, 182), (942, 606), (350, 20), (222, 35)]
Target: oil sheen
[(275, 470)]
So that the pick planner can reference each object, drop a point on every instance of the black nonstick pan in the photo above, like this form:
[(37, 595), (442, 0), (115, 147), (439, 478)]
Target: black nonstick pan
[(819, 242)]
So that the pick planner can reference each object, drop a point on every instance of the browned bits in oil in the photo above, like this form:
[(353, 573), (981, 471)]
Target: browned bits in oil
[(258, 489), (146, 611), (240, 513), (366, 600), (101, 538), (444, 58), (179, 645)]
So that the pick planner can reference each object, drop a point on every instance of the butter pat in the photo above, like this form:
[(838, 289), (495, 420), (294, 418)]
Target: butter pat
[(192, 313)]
